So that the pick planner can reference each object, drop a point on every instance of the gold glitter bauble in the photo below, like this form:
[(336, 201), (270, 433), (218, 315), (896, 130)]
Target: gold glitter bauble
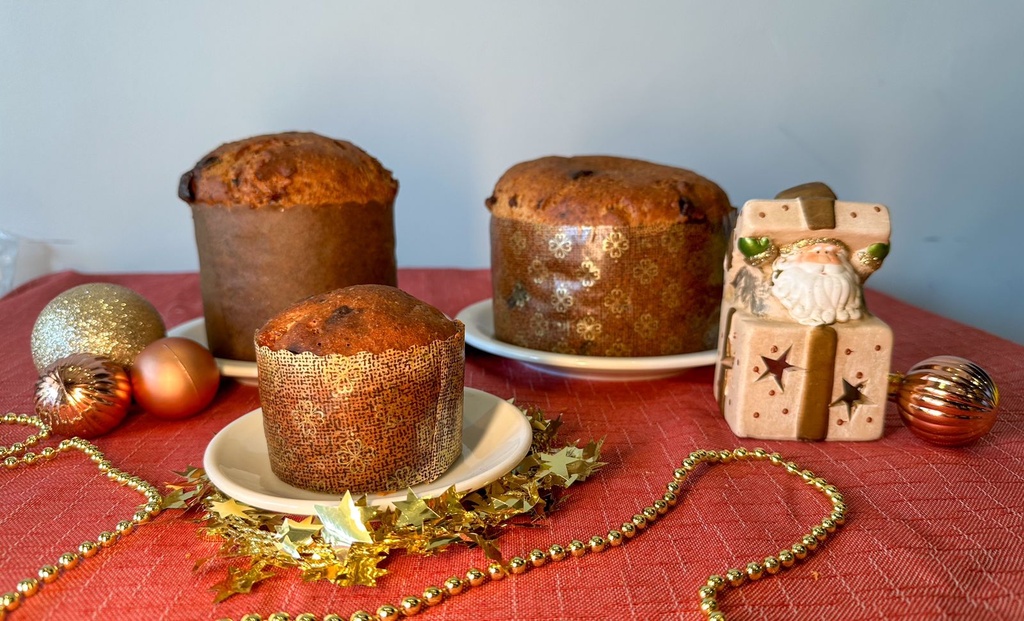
[(98, 318)]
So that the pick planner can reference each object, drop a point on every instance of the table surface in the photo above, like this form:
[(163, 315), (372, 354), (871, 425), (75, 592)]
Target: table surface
[(932, 533)]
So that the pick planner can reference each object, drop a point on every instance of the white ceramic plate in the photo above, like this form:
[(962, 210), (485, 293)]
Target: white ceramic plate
[(195, 329), (479, 320), (495, 437)]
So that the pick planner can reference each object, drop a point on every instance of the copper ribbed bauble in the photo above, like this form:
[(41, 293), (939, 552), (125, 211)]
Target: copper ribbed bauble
[(98, 318), (83, 395), (948, 401)]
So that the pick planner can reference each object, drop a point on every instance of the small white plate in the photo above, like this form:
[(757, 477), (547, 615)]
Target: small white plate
[(479, 320), (195, 329), (495, 437)]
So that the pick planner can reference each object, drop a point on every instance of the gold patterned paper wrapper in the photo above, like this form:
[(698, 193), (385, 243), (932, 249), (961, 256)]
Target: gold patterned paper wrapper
[(363, 423), (607, 290)]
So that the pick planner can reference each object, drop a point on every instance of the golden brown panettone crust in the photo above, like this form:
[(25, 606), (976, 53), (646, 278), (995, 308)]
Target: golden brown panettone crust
[(360, 318), (595, 190), (291, 168)]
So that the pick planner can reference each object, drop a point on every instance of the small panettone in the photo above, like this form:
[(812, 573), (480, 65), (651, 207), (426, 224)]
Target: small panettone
[(362, 390), (279, 218), (607, 256)]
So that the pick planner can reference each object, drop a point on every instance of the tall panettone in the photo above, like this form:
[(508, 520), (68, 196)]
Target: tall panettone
[(607, 256), (279, 218), (361, 390)]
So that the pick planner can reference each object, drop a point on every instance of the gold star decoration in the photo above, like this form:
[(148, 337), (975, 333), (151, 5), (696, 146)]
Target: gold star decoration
[(231, 508), (361, 566), (544, 430), (413, 511), (294, 535), (344, 524), (299, 531), (488, 546), (240, 580), (588, 462), (558, 463), (439, 543), (852, 397), (519, 501), (777, 367), (191, 474), (571, 463), (178, 498), (449, 504)]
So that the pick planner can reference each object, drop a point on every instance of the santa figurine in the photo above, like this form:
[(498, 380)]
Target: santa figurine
[(801, 357)]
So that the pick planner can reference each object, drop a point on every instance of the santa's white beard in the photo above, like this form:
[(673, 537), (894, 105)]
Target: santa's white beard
[(816, 294)]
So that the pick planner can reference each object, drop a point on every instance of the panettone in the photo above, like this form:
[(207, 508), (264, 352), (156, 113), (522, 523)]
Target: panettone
[(279, 218), (361, 318), (361, 390), (607, 256)]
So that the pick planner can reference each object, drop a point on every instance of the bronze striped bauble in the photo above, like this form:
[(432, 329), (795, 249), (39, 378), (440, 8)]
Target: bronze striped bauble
[(948, 401)]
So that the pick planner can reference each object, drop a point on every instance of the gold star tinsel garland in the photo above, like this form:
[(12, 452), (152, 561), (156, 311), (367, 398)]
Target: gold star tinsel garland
[(17, 455), (346, 543)]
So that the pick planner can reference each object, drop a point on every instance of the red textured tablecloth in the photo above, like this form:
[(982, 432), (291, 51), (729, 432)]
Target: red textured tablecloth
[(932, 533)]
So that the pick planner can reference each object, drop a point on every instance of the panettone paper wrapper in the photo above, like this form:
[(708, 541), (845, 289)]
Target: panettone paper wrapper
[(254, 263), (607, 290), (363, 423)]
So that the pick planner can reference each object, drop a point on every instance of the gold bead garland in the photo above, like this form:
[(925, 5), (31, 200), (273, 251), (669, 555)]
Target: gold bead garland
[(473, 577), (49, 573), (707, 594), (18, 447)]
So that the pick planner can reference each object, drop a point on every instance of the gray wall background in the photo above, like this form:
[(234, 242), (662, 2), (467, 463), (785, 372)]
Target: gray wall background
[(917, 105)]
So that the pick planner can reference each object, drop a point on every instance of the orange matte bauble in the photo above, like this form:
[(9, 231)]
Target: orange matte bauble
[(83, 395), (174, 378)]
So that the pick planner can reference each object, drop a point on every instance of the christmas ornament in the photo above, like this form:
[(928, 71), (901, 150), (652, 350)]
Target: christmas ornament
[(98, 318), (946, 400), (174, 377), (47, 574), (800, 355), (83, 395), (345, 524)]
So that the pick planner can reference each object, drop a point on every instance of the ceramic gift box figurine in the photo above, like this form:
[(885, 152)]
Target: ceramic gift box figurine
[(801, 358)]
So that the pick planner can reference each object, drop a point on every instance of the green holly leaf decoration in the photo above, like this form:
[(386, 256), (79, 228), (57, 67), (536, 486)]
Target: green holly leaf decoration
[(878, 251), (753, 246)]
